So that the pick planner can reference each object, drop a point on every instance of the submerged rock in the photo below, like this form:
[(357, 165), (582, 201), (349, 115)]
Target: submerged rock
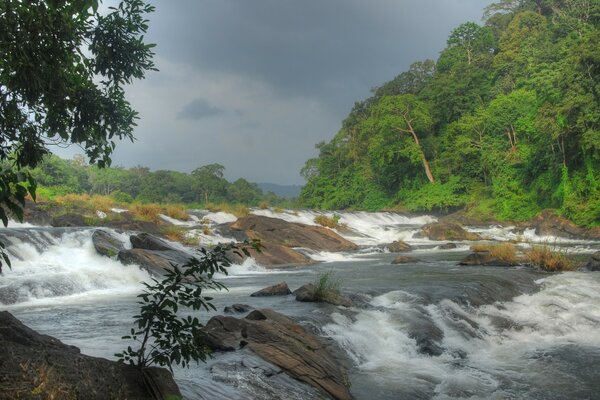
[(404, 260), (281, 341), (280, 289), (238, 308), (36, 366), (484, 258), (398, 246), (446, 231), (447, 246)]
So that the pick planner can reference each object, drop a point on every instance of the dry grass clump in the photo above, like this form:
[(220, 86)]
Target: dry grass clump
[(146, 212), (85, 202), (502, 251), (238, 210), (329, 222), (179, 234), (543, 257), (177, 211), (263, 205)]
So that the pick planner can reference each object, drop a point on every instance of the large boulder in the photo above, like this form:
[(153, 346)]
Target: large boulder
[(36, 366), (274, 255), (106, 244), (154, 261), (280, 341), (550, 224), (147, 241), (280, 289), (446, 231), (288, 234)]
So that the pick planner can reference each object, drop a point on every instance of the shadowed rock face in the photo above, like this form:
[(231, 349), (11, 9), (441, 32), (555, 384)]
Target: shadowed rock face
[(35, 366), (550, 224), (280, 341), (106, 244), (288, 234)]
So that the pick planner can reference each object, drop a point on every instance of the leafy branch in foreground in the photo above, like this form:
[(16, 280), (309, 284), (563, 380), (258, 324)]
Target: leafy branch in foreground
[(163, 337)]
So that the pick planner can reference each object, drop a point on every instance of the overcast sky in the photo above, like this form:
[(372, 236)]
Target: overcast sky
[(255, 84)]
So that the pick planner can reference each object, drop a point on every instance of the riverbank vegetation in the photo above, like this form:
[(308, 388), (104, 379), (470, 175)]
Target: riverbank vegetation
[(73, 181), (504, 123)]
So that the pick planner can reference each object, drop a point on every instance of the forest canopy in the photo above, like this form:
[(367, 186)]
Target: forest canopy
[(506, 123)]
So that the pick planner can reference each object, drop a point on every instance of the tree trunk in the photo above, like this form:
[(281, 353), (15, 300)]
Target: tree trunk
[(416, 139)]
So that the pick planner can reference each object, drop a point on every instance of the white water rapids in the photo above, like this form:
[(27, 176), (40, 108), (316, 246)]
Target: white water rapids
[(424, 330)]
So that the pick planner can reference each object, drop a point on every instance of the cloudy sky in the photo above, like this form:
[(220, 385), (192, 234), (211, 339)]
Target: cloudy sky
[(255, 84)]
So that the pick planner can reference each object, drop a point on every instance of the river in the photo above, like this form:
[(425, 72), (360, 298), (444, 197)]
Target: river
[(425, 330)]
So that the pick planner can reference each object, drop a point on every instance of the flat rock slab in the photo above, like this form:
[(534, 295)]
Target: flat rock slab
[(281, 341), (280, 289), (288, 234), (35, 366)]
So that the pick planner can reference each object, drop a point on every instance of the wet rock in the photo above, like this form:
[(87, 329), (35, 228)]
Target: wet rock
[(594, 263), (280, 289), (36, 366), (484, 258), (34, 213), (550, 224), (154, 261), (446, 231), (147, 241), (404, 260), (238, 308), (288, 234), (398, 247), (284, 343), (275, 255), (106, 244), (308, 293), (447, 246)]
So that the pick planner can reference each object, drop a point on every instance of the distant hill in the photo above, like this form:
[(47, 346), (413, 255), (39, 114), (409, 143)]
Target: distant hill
[(287, 191)]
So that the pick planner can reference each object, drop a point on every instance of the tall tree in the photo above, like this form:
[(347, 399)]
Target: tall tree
[(63, 70)]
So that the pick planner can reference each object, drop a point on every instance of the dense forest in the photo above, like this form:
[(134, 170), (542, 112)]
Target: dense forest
[(505, 123), (204, 185)]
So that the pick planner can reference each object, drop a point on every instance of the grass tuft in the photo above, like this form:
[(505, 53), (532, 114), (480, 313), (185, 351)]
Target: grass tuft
[(548, 259)]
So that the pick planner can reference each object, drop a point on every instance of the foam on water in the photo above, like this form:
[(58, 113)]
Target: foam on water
[(327, 257), (299, 217), (220, 217), (66, 269), (487, 351)]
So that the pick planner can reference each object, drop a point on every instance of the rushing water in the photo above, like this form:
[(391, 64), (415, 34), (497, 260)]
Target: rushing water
[(424, 330)]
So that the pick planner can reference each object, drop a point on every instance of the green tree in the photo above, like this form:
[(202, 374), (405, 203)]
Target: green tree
[(63, 70)]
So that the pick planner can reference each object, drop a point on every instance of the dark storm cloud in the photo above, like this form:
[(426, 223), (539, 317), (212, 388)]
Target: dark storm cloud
[(254, 84), (198, 109), (334, 50)]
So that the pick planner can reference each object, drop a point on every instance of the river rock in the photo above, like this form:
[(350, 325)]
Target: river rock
[(307, 293), (280, 289), (483, 258), (106, 244), (238, 308), (447, 246), (280, 341), (36, 366), (594, 263), (550, 224), (446, 231), (34, 214), (288, 234), (274, 255), (147, 241), (404, 260), (398, 246), (154, 261)]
